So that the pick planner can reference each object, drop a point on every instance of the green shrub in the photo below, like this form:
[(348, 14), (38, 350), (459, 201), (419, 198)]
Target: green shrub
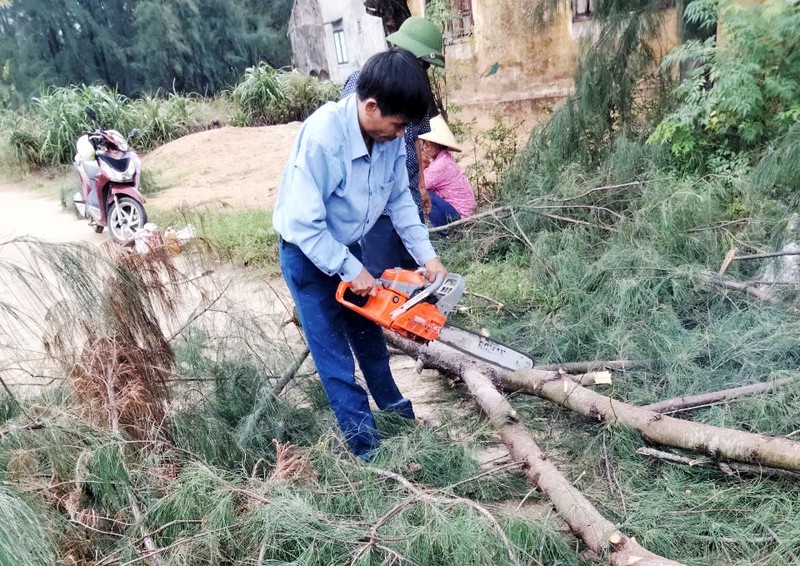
[(267, 96), (44, 134), (742, 92)]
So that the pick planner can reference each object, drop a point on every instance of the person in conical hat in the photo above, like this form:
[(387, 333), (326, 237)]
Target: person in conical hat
[(451, 193)]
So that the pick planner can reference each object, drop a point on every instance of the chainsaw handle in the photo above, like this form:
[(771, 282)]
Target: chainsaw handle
[(344, 289), (421, 296)]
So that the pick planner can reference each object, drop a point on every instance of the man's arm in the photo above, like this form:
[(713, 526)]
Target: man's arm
[(300, 215)]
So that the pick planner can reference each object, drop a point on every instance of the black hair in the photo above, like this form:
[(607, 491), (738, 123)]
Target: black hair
[(397, 82)]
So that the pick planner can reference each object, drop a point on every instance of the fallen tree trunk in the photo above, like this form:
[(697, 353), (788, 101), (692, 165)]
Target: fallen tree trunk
[(599, 534), (584, 367), (717, 442), (704, 399)]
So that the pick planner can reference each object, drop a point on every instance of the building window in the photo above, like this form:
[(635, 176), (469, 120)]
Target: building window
[(581, 9), (339, 45), (584, 9), (459, 22)]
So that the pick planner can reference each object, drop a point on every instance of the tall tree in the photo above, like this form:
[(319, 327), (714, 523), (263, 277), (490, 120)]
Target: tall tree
[(139, 45)]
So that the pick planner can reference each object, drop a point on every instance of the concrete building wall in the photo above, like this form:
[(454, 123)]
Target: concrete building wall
[(359, 33), (306, 38), (317, 26)]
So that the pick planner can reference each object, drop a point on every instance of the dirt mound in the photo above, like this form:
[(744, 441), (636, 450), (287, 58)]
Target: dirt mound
[(239, 166)]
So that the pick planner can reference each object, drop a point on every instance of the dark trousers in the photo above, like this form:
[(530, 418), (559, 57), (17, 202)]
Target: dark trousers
[(383, 249), (331, 331), (442, 212)]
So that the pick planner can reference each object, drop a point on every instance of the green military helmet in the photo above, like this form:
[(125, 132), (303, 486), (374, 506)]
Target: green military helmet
[(422, 38)]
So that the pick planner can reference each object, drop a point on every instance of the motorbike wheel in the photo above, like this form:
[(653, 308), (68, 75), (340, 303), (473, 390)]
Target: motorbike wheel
[(126, 217)]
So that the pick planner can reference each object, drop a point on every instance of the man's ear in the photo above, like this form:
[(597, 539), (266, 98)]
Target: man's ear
[(371, 105)]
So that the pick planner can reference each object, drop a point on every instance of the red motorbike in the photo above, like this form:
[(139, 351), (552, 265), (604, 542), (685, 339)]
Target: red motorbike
[(109, 174)]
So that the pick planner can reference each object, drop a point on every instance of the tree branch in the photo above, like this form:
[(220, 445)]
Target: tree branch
[(689, 402)]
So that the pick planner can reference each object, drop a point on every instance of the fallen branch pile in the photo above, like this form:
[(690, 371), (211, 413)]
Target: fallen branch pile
[(599, 534), (748, 452)]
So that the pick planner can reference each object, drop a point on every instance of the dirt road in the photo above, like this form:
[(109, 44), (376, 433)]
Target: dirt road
[(25, 213)]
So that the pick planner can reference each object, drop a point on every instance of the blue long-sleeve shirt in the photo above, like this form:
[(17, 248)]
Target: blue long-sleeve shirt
[(333, 191), (413, 131)]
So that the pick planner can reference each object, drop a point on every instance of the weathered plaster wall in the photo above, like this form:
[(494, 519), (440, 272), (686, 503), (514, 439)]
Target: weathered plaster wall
[(535, 61), (305, 37), (311, 28)]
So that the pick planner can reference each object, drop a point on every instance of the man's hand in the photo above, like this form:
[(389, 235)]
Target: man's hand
[(425, 196), (364, 284), (432, 267)]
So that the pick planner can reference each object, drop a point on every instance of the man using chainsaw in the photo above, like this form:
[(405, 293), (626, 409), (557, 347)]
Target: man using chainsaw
[(346, 168), (382, 247)]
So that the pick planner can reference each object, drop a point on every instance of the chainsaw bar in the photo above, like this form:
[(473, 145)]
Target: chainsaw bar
[(484, 349)]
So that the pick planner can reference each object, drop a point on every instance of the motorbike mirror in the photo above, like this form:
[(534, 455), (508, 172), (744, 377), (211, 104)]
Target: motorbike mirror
[(90, 112)]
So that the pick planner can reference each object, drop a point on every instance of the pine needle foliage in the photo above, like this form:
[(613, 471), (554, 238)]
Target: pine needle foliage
[(607, 247), (731, 519), (778, 172), (319, 524), (743, 90), (24, 541), (608, 100), (207, 487), (214, 427)]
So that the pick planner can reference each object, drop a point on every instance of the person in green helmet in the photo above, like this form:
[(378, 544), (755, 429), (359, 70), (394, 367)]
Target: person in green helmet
[(382, 247)]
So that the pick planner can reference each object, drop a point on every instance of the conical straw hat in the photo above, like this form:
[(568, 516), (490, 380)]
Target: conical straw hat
[(441, 134)]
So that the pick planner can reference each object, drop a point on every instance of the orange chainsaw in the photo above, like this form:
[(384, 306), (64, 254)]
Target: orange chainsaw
[(408, 304)]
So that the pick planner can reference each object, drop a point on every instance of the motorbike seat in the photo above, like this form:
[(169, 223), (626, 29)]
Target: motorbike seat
[(91, 169)]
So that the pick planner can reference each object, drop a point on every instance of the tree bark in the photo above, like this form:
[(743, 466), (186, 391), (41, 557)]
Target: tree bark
[(599, 534), (694, 401), (717, 442), (391, 12), (583, 367)]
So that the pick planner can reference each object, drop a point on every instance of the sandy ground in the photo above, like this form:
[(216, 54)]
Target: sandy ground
[(27, 214), (239, 166)]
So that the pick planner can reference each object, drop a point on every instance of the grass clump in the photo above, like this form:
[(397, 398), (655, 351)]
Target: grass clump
[(44, 133), (266, 96), (245, 235)]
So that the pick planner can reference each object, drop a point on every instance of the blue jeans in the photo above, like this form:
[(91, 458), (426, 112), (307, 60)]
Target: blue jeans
[(383, 249), (442, 212), (331, 331)]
